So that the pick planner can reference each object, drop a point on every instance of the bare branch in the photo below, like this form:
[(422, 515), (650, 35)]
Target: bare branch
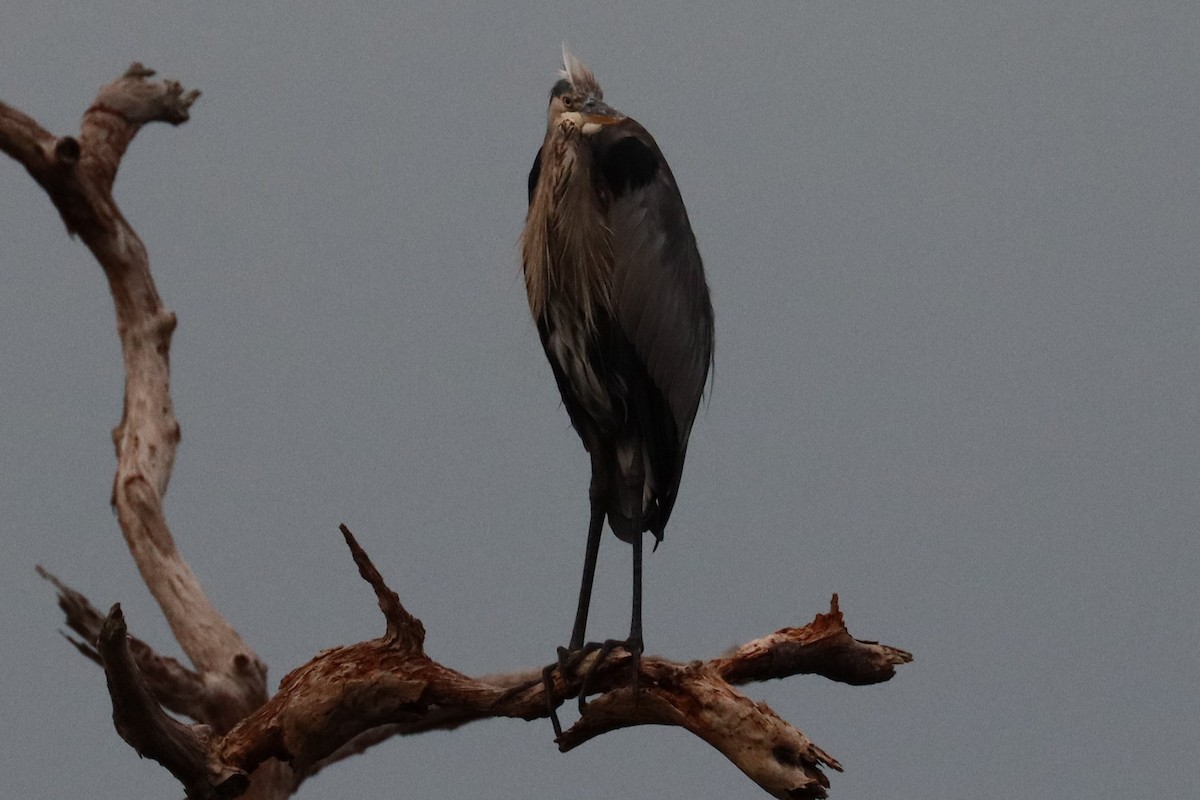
[(82, 616), (822, 647), (403, 628), (183, 749), (77, 172), (776, 756), (25, 141), (348, 698), (174, 686)]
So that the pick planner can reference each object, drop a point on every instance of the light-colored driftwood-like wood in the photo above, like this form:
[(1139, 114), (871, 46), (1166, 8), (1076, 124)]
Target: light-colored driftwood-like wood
[(77, 172), (348, 698), (78, 175)]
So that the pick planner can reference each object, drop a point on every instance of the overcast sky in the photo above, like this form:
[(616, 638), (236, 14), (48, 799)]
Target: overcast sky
[(953, 255)]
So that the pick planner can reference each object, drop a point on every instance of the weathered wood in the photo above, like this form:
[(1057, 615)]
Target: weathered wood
[(185, 750), (77, 172)]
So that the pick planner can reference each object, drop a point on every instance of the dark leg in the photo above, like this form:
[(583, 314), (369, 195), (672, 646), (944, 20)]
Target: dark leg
[(595, 528), (551, 701), (633, 644), (570, 656), (635, 626)]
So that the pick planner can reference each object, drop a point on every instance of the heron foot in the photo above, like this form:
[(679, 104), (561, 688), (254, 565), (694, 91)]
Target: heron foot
[(567, 666), (552, 701), (633, 645)]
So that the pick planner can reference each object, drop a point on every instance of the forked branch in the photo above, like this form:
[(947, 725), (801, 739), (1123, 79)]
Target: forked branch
[(350, 697)]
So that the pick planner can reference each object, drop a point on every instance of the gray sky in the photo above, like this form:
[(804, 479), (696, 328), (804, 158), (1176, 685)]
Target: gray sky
[(953, 254)]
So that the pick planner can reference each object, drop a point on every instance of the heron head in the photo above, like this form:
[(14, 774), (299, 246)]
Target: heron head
[(577, 101)]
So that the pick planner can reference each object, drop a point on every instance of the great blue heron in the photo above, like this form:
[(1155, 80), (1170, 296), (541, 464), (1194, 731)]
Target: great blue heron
[(617, 290)]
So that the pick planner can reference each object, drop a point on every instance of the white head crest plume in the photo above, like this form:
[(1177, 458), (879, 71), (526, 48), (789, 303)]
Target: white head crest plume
[(581, 78)]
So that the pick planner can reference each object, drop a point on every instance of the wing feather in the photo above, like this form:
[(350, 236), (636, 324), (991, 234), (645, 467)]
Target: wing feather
[(659, 295)]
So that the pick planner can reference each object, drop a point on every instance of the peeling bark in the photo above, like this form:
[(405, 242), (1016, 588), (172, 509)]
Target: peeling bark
[(77, 172), (347, 699)]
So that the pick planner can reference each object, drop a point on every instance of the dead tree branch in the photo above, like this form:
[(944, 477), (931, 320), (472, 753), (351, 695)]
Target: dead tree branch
[(348, 698), (182, 749), (176, 688), (78, 173)]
